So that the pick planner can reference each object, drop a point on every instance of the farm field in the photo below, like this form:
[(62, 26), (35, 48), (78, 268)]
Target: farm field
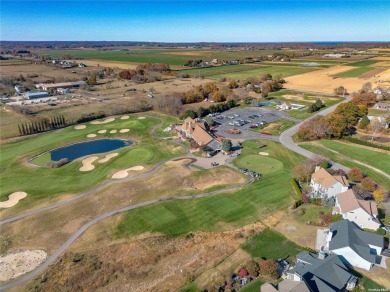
[(252, 203), (284, 71), (322, 81), (221, 69), (152, 55), (357, 72), (14, 62)]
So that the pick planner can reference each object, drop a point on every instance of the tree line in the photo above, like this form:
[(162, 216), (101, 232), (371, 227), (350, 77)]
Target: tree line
[(42, 125)]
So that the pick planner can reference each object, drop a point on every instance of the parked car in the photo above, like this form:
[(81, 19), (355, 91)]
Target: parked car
[(252, 126), (236, 115)]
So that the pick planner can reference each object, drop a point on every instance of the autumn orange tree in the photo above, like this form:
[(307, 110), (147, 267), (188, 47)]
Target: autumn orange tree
[(355, 174), (368, 184)]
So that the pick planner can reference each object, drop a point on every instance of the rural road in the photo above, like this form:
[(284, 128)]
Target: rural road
[(82, 229), (285, 138)]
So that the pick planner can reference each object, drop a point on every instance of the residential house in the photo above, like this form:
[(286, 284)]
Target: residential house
[(81, 65), (381, 120), (285, 105), (197, 130), (19, 88), (315, 272), (382, 106), (323, 184), (356, 247), (354, 208)]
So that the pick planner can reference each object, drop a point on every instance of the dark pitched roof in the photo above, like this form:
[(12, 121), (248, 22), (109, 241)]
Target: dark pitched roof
[(328, 274), (346, 233)]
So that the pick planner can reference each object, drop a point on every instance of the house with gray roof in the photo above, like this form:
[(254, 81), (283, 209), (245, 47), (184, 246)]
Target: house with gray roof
[(354, 246), (316, 272)]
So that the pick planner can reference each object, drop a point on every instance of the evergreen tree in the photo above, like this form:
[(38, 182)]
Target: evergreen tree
[(364, 122), (20, 130)]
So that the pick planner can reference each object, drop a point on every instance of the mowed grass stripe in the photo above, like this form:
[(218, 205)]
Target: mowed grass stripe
[(354, 72), (284, 71), (377, 159), (258, 200)]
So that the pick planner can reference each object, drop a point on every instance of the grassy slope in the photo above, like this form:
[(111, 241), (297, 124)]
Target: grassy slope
[(372, 157), (285, 124), (378, 178), (43, 182), (256, 201)]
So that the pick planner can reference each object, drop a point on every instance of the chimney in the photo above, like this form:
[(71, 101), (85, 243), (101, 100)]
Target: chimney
[(317, 168), (321, 255)]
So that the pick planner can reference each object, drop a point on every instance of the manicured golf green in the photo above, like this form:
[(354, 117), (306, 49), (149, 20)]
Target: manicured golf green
[(248, 205), (259, 163), (42, 182)]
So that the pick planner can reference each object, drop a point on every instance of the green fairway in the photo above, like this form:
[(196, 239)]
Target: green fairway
[(172, 56), (264, 245), (42, 182), (258, 163), (354, 72), (284, 71), (256, 201), (372, 157), (378, 178)]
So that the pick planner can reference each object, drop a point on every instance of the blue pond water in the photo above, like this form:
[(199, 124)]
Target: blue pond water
[(75, 151)]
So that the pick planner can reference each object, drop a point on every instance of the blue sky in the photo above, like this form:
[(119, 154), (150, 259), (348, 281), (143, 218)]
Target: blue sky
[(194, 21)]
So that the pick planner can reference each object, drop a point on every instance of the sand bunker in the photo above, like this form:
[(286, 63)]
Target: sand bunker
[(124, 130), (91, 135), (102, 131), (124, 173), (124, 117), (80, 127), (87, 163), (108, 157), (141, 118), (113, 131), (20, 262), (109, 120), (264, 153), (13, 199)]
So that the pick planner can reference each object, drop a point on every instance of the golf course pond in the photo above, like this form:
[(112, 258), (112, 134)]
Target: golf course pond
[(81, 149)]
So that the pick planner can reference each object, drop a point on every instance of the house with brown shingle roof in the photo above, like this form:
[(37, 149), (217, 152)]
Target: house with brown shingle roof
[(323, 184), (354, 208), (196, 130)]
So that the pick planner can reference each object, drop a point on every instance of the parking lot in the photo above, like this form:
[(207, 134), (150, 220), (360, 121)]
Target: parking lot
[(244, 119)]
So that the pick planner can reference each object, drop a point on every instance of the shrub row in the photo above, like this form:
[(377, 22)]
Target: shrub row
[(366, 143)]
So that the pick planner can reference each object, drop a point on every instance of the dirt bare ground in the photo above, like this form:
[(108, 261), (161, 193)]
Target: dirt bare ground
[(372, 73), (151, 263)]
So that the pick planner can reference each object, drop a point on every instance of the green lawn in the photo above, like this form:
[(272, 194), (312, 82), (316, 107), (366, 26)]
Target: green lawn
[(259, 163), (40, 183), (354, 72), (271, 245), (284, 71), (309, 213), (378, 178), (253, 287), (372, 157), (248, 205), (284, 125)]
